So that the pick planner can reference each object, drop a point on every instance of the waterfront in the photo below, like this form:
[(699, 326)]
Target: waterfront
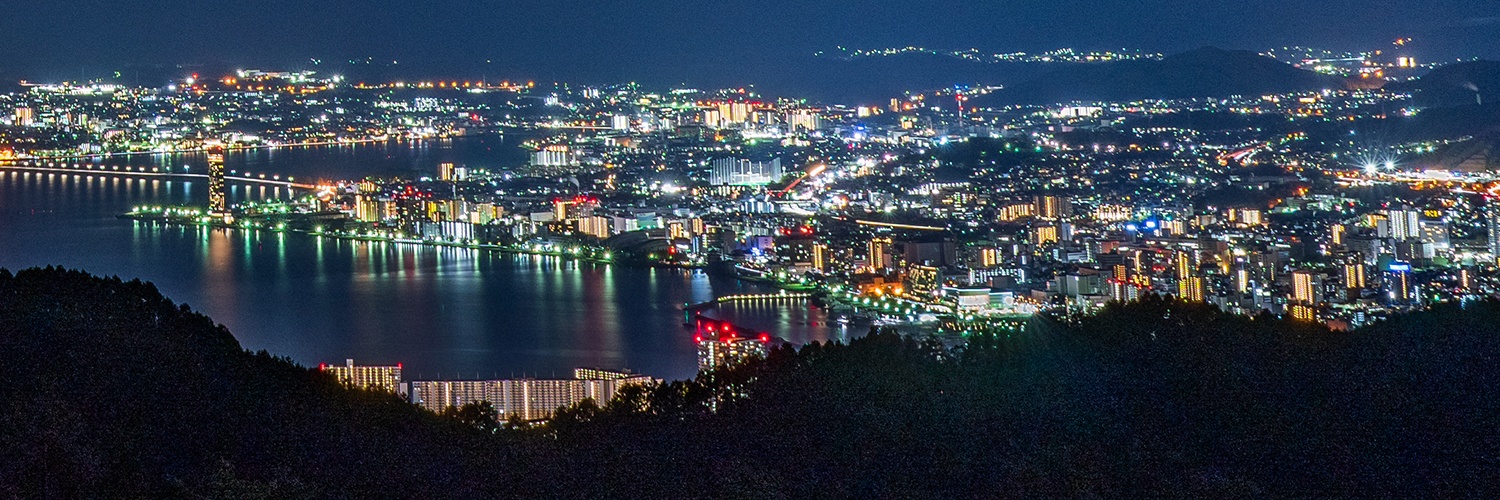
[(450, 311)]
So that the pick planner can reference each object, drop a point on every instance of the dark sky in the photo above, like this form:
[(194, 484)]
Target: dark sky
[(602, 40)]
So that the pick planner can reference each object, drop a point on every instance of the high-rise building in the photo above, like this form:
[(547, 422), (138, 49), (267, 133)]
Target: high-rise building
[(525, 398), (437, 395), (1246, 217), (24, 117), (1184, 264), (804, 119), (1043, 235), (1492, 220), (1241, 277), (596, 226), (619, 123), (923, 281), (1125, 291), (990, 257), (217, 199), (738, 172), (1016, 211), (445, 171), (1112, 213), (1306, 287), (878, 253), (1354, 272), (1053, 207), (1190, 289), (820, 257), (1398, 285), (1303, 312), (366, 209), (380, 378), (1401, 224), (722, 351), (568, 209), (734, 112), (557, 155)]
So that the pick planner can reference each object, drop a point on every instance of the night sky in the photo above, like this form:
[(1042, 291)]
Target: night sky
[(612, 40)]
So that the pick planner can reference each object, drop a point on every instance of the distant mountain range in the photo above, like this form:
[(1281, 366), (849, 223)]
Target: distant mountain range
[(1459, 84), (1205, 72)]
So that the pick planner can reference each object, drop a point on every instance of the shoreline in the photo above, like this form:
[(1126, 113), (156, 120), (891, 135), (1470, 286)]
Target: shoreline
[(592, 255), (297, 145)]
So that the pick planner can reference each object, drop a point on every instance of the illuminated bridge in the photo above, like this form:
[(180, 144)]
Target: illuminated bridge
[(136, 171)]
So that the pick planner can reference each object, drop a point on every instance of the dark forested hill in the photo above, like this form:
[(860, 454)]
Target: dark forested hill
[(1153, 398), (1471, 83), (112, 390)]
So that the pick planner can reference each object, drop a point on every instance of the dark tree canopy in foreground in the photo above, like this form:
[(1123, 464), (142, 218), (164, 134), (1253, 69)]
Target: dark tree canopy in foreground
[(113, 390)]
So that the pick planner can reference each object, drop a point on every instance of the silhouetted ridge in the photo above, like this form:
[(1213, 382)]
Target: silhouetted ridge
[(1458, 84), (112, 390), (1205, 72)]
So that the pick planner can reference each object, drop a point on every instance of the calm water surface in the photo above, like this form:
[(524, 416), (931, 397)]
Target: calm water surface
[(440, 311)]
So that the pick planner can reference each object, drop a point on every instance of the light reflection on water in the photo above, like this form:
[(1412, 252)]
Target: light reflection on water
[(437, 310)]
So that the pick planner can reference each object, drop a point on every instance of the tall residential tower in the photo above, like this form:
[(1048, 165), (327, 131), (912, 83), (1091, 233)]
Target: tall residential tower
[(217, 203)]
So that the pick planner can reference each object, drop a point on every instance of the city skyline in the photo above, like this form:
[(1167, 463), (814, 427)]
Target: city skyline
[(785, 249)]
